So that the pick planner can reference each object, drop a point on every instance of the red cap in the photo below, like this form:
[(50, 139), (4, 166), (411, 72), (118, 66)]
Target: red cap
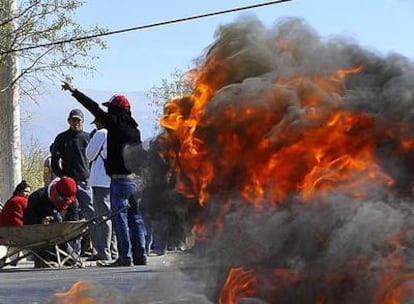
[(63, 192), (119, 101)]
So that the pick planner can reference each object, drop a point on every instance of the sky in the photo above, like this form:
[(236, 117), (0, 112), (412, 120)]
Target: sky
[(139, 60), (136, 61)]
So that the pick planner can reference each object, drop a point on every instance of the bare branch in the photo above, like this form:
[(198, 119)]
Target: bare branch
[(41, 21)]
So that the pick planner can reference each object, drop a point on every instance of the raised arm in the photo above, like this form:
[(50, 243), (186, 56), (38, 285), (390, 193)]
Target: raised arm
[(88, 103)]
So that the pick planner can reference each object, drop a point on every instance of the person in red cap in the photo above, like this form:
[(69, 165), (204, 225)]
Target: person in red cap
[(126, 188), (55, 202)]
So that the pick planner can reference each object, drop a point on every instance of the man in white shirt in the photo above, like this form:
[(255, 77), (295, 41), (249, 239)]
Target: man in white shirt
[(103, 236)]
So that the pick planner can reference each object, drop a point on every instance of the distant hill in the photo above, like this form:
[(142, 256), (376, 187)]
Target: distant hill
[(47, 115)]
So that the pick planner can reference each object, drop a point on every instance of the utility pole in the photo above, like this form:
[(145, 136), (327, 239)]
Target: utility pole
[(10, 136)]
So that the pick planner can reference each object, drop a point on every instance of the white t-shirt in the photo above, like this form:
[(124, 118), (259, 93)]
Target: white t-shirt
[(96, 152)]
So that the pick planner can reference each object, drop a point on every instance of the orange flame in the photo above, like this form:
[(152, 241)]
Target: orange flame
[(239, 284), (78, 293), (349, 166), (395, 289), (199, 230), (407, 144), (335, 149)]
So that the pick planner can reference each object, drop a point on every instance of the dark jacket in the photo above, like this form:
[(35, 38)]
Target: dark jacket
[(69, 149), (39, 206), (120, 133)]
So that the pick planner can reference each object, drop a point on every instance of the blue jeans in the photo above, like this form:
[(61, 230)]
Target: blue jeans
[(129, 223)]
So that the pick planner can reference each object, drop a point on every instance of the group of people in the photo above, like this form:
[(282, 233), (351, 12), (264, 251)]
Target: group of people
[(89, 179)]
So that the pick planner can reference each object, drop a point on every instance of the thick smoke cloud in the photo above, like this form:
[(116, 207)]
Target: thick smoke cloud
[(334, 248)]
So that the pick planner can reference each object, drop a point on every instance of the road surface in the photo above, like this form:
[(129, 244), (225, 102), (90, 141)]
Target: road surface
[(161, 281)]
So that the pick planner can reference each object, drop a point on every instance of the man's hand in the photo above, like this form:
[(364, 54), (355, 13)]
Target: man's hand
[(47, 219), (66, 86)]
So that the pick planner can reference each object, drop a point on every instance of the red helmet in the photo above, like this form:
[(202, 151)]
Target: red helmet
[(119, 101), (63, 192)]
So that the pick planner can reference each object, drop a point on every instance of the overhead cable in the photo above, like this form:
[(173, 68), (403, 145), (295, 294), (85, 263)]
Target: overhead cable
[(141, 27)]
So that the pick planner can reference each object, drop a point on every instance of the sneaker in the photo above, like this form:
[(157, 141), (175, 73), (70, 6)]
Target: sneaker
[(158, 252), (140, 261), (85, 254), (119, 263), (94, 258)]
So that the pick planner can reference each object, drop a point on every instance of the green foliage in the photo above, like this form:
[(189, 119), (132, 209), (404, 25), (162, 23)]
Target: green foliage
[(33, 157), (176, 86), (39, 22)]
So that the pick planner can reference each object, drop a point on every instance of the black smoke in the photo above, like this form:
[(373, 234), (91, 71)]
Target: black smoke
[(340, 248)]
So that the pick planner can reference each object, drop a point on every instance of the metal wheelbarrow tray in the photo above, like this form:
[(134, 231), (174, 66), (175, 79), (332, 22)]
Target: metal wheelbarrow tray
[(31, 238)]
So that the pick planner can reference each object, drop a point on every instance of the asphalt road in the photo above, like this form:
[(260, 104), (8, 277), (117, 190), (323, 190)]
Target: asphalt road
[(161, 281)]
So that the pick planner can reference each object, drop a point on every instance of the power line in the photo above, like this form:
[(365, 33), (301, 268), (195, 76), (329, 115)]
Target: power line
[(141, 27)]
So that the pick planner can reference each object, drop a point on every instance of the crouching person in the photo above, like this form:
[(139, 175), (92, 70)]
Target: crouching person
[(55, 202)]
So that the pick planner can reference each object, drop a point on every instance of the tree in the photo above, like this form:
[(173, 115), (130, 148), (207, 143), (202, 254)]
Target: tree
[(33, 157), (40, 22), (179, 84), (23, 66)]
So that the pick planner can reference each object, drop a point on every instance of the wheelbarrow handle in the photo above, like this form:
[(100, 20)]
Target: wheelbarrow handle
[(107, 216)]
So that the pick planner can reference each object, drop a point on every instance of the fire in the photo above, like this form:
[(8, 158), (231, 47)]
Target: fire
[(199, 230), (78, 293), (395, 289), (240, 284), (299, 152), (342, 160), (257, 151), (407, 144), (90, 293)]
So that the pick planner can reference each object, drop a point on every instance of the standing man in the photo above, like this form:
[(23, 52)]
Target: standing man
[(69, 159), (103, 237), (126, 188)]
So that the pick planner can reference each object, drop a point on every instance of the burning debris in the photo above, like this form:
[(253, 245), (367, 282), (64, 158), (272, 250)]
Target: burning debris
[(299, 151), (86, 293)]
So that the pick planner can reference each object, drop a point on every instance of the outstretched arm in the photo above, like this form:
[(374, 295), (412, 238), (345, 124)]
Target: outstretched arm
[(88, 103)]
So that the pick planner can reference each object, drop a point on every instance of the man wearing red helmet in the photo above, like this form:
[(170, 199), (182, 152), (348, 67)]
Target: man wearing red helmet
[(53, 203), (126, 188)]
